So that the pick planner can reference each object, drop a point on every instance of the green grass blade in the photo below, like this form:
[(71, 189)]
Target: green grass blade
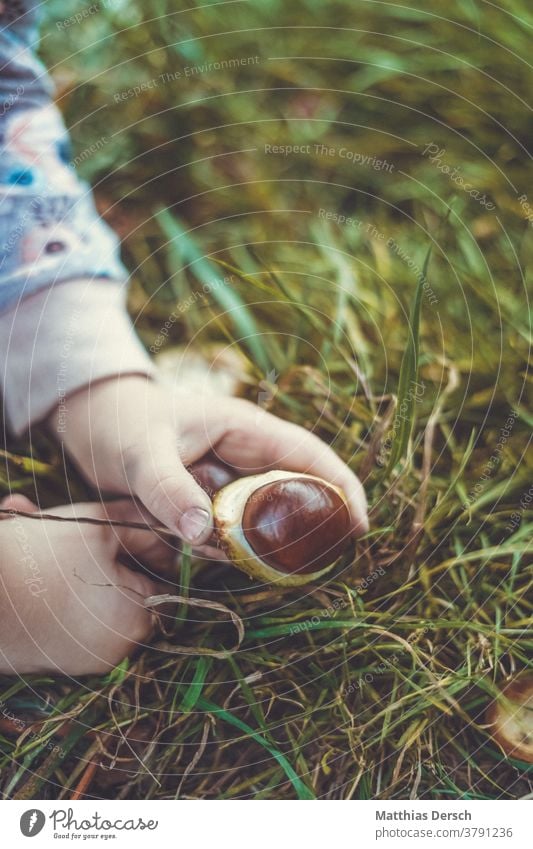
[(184, 581), (408, 377), (302, 791), (203, 665), (187, 253)]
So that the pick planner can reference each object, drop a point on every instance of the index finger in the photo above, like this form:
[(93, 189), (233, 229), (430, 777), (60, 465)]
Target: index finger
[(261, 441)]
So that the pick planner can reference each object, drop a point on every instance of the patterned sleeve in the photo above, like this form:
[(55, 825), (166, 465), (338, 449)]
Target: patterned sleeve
[(49, 229), (68, 336)]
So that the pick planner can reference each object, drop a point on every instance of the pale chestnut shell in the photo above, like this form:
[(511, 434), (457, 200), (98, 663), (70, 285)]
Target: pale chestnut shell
[(510, 719)]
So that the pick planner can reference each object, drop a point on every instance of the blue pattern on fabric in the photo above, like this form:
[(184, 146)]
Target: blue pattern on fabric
[(50, 230)]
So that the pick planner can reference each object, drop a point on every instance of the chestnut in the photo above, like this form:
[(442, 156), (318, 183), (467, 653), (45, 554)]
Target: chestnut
[(510, 718), (212, 474), (285, 527)]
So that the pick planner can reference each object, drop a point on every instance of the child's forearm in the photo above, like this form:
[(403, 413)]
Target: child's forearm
[(60, 339)]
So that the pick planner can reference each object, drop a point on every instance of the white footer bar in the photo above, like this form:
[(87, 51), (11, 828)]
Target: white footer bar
[(268, 825)]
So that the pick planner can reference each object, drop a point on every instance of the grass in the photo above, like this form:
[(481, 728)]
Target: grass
[(374, 683)]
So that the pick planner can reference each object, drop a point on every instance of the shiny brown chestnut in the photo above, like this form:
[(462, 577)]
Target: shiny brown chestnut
[(282, 526), (510, 718)]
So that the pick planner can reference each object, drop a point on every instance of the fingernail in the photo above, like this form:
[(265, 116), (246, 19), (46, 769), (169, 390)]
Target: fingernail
[(194, 524)]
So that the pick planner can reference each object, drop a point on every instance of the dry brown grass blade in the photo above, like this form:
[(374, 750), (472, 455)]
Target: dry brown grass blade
[(168, 598), (87, 520)]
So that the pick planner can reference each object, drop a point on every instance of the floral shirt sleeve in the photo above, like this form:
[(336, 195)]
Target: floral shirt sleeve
[(49, 229), (54, 339)]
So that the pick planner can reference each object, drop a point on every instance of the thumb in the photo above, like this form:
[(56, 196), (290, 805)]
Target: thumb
[(17, 501), (157, 476)]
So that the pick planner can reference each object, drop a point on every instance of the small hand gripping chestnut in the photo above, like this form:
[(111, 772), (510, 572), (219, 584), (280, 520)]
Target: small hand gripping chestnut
[(284, 527)]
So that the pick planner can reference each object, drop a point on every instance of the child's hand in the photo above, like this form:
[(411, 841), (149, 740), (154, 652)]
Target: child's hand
[(129, 435), (67, 603)]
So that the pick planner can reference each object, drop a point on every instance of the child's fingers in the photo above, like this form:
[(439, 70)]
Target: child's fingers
[(140, 543), (153, 549), (112, 620), (261, 441), (17, 502), (210, 552), (158, 477), (156, 551), (83, 611)]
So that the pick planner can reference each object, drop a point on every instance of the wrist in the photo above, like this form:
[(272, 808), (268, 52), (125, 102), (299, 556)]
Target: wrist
[(81, 334)]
